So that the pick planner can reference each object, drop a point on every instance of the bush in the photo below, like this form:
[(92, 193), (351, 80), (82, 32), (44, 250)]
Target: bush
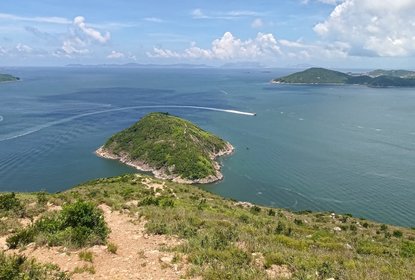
[(9, 202), (255, 209), (274, 258), (19, 267), (397, 233), (408, 249), (86, 256), (78, 224), (112, 248)]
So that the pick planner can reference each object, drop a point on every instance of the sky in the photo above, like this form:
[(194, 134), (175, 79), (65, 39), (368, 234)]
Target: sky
[(273, 33)]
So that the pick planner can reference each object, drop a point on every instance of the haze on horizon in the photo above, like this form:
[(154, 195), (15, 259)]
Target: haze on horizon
[(328, 33)]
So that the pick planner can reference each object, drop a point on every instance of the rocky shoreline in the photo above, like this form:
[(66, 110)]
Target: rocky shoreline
[(161, 173)]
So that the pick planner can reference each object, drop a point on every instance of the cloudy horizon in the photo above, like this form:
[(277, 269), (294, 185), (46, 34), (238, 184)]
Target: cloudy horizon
[(331, 33)]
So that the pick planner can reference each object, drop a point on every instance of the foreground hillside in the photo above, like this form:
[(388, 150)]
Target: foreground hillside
[(152, 229), (170, 147), (377, 78), (7, 78)]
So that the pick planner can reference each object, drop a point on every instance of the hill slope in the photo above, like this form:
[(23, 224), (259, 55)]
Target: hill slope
[(7, 78), (212, 237), (170, 147), (377, 78), (315, 76)]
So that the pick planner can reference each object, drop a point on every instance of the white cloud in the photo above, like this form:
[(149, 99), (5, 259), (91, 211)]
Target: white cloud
[(153, 19), (226, 48), (329, 2), (257, 23), (80, 37), (158, 52), (381, 28), (198, 14), (264, 47), (22, 48), (54, 20), (115, 55), (92, 33), (229, 15)]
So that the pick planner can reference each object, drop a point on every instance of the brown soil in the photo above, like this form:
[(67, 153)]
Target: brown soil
[(138, 255)]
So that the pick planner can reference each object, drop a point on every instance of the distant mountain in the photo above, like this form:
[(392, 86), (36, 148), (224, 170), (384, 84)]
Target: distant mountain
[(8, 78), (392, 73), (137, 65), (242, 65), (377, 78)]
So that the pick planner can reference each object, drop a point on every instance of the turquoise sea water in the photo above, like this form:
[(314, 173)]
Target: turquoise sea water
[(348, 149)]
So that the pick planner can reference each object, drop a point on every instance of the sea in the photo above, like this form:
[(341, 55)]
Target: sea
[(346, 149)]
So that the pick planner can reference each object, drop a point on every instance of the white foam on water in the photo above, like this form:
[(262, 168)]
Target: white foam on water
[(65, 120)]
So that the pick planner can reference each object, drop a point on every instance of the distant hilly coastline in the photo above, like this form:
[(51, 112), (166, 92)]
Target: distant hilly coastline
[(138, 65), (8, 78), (376, 78)]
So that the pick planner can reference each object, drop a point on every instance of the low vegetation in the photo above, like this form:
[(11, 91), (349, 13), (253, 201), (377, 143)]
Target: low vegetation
[(77, 225), (168, 143), (15, 267), (225, 239)]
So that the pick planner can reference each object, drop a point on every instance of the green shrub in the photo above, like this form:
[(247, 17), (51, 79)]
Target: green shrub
[(280, 228), (11, 204), (298, 222), (42, 198), (408, 249), (274, 258), (18, 267), (86, 256), (77, 225), (149, 200), (255, 209), (112, 248), (397, 233)]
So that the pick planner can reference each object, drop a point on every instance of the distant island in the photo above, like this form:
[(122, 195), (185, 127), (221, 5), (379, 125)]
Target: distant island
[(8, 78), (170, 147), (377, 78)]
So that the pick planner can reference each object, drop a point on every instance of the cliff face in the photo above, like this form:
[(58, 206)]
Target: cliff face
[(170, 147)]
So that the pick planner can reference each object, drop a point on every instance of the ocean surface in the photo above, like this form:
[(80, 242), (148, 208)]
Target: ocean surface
[(349, 149)]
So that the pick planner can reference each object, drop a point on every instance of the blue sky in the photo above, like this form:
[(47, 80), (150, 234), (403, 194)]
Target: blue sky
[(276, 33)]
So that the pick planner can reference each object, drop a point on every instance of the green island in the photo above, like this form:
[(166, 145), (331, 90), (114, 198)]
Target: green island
[(8, 78), (138, 225), (376, 78), (170, 147)]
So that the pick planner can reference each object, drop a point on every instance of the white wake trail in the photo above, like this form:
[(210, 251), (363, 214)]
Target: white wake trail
[(65, 120)]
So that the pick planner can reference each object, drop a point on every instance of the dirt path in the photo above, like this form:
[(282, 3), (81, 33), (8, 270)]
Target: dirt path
[(138, 255)]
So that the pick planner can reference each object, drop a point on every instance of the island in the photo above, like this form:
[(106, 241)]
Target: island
[(8, 78), (170, 147), (377, 78)]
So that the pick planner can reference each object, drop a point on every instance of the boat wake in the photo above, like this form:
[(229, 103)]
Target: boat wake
[(65, 120)]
